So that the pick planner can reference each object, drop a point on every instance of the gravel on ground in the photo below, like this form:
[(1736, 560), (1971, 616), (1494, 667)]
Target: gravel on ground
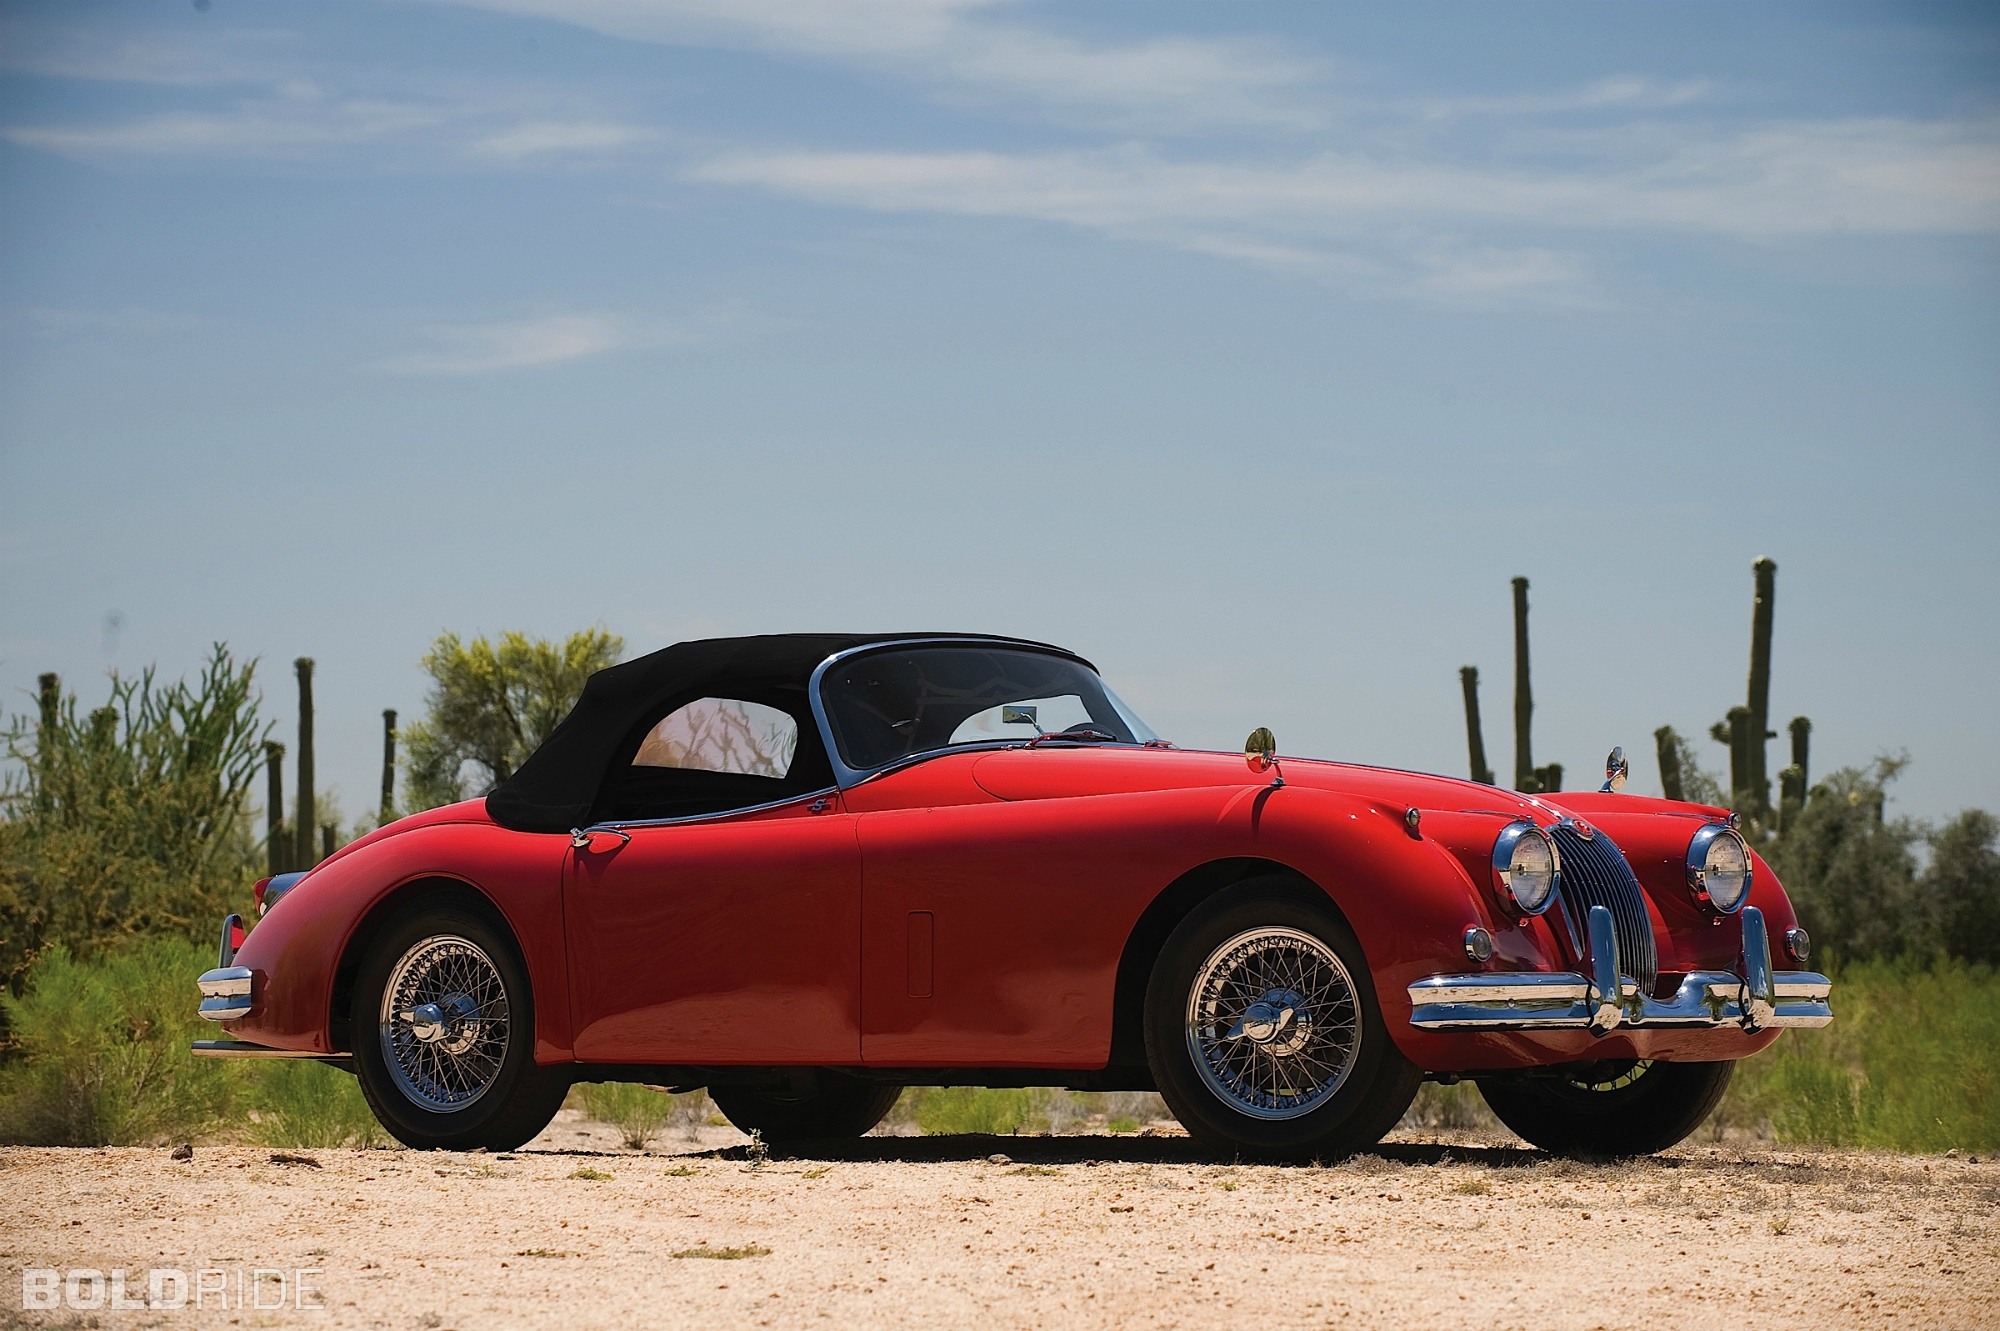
[(1089, 1230)]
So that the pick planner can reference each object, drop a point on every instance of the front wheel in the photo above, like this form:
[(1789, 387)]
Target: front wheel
[(838, 1105), (1263, 1032), (444, 1033), (1622, 1107)]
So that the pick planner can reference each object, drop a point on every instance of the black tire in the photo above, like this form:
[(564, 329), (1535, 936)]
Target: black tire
[(1364, 1083), (1610, 1109), (517, 1098), (839, 1105)]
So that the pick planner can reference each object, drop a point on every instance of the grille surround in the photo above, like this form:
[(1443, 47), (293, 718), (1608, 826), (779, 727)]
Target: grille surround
[(1595, 873)]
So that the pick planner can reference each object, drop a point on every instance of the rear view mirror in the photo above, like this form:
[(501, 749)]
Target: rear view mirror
[(1261, 749), (1019, 716)]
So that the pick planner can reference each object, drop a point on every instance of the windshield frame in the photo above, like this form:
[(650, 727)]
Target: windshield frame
[(847, 777)]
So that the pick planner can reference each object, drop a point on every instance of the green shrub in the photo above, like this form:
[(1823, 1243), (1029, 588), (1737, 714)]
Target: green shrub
[(102, 1051), (956, 1110), (638, 1112), (1907, 1064), (302, 1103), (128, 820)]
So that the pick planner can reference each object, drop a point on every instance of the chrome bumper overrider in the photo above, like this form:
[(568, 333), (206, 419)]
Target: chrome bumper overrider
[(1606, 999), (226, 992)]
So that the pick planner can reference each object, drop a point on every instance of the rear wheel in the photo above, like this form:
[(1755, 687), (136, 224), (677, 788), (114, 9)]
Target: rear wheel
[(838, 1105), (1621, 1107), (1263, 1033), (444, 1033)]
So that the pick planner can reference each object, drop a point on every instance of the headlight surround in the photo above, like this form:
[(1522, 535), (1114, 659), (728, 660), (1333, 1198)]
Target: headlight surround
[(1718, 869), (1525, 859)]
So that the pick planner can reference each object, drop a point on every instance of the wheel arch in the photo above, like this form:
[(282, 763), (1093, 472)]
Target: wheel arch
[(1174, 903), (394, 902)]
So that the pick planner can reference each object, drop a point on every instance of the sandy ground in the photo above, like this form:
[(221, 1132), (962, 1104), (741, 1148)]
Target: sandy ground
[(1065, 1231)]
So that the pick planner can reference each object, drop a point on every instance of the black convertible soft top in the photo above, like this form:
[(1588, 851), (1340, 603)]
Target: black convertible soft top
[(561, 783)]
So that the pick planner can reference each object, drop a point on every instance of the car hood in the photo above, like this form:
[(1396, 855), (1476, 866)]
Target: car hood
[(1067, 773)]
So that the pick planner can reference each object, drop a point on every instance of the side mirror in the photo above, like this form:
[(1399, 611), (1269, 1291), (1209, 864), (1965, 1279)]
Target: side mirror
[(1616, 769), (1261, 752)]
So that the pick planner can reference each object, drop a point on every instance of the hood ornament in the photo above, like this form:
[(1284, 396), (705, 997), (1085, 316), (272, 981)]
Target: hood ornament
[(1616, 769)]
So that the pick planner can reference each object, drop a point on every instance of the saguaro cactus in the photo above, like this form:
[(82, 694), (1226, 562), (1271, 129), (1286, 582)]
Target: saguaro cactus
[(388, 763), (49, 701), (1475, 739), (1668, 745), (1792, 781), (276, 849), (1524, 698), (307, 823), (1755, 777), (1735, 732)]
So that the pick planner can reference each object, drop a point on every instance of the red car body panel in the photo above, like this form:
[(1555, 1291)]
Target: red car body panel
[(971, 910)]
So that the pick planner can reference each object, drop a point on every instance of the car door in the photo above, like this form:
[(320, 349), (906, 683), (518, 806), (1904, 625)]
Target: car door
[(700, 935), (731, 940), (992, 928)]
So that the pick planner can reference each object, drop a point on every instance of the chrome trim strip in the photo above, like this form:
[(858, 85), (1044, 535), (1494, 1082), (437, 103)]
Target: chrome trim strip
[(244, 1049), (706, 817), (226, 954), (848, 777)]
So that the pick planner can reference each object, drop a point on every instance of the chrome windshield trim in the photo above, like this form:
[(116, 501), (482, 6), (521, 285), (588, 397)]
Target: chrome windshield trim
[(845, 777)]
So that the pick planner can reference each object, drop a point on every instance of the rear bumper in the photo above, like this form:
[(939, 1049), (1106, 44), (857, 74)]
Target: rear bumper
[(244, 1049), (1755, 999)]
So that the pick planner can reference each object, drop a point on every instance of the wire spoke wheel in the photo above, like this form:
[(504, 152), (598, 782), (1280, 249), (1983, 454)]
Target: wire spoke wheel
[(444, 1023), (1273, 1022)]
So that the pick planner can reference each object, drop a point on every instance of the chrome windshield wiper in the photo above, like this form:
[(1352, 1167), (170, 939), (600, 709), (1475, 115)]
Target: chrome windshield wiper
[(1082, 736)]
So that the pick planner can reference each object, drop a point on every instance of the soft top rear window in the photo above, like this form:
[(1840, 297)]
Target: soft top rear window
[(889, 705)]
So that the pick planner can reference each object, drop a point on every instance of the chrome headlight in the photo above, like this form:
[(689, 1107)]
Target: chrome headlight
[(1525, 859), (1719, 869)]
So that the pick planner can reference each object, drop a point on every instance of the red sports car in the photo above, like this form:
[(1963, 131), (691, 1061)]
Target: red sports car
[(808, 871)]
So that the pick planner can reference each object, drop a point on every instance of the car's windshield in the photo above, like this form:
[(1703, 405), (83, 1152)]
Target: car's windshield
[(888, 705)]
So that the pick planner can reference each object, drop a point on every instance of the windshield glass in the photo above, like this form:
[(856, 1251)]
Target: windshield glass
[(888, 705)]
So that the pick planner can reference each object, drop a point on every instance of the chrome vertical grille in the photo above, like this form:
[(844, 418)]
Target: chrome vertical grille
[(1594, 873)]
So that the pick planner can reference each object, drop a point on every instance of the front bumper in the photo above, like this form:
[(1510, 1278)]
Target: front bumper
[(1605, 1000)]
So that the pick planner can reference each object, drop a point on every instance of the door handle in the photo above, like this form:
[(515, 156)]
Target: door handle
[(584, 838)]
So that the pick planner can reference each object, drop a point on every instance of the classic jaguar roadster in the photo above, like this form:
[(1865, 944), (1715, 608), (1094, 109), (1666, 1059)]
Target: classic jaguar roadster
[(808, 871)]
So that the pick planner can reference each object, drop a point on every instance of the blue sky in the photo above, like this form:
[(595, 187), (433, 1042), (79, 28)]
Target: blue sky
[(1249, 350)]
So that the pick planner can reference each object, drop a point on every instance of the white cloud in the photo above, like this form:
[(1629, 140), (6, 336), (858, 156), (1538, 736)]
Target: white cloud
[(281, 128), (1622, 92), (1890, 176), (539, 137), (484, 348), (956, 46), (515, 344)]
